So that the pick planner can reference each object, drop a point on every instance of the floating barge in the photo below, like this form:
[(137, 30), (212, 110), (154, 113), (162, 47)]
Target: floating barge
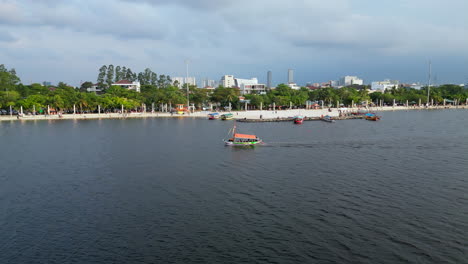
[(290, 119)]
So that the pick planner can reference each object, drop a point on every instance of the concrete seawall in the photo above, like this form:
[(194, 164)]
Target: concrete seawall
[(254, 114)]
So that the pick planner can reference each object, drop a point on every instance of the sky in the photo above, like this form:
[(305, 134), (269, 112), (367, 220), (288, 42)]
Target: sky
[(321, 40)]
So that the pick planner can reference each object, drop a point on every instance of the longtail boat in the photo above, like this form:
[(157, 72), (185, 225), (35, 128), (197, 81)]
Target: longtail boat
[(213, 116), (298, 120), (372, 117), (227, 116), (327, 118), (237, 139)]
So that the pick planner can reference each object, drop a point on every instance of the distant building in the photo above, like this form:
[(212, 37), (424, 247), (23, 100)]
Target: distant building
[(384, 85), (416, 86), (290, 76), (227, 81), (269, 79), (126, 84), (350, 80), (182, 81), (208, 83), (294, 86), (94, 88), (334, 83), (248, 86)]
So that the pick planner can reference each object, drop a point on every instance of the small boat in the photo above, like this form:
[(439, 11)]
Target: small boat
[(327, 118), (298, 120), (237, 139), (213, 116), (372, 117), (227, 116)]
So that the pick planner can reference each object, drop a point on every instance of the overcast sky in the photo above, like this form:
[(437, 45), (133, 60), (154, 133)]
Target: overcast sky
[(55, 40)]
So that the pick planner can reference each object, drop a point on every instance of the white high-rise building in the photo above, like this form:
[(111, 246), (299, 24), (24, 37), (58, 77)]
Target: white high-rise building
[(290, 76), (350, 80), (228, 81), (183, 80)]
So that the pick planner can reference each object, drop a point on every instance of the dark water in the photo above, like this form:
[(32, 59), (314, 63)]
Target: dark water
[(168, 191)]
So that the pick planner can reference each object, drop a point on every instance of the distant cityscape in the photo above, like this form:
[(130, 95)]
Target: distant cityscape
[(250, 85)]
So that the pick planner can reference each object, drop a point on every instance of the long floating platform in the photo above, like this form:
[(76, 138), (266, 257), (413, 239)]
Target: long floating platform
[(290, 119)]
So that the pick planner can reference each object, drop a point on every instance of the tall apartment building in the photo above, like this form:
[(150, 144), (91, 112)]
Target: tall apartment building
[(228, 81), (269, 79), (290, 76)]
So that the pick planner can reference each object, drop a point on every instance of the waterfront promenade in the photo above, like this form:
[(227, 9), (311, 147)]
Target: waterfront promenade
[(251, 114)]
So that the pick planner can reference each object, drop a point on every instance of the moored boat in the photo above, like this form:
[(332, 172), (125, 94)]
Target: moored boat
[(237, 139), (327, 118), (212, 116), (298, 120), (372, 117), (228, 116)]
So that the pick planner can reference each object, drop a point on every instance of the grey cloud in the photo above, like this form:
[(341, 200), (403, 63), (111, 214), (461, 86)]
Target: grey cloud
[(197, 4), (6, 37), (97, 19)]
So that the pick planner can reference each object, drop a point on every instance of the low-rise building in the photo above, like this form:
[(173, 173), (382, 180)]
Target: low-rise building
[(384, 85), (126, 84), (94, 88), (350, 80), (248, 86), (294, 86)]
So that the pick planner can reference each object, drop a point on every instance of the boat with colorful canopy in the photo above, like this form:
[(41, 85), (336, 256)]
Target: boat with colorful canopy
[(212, 116), (372, 117), (228, 116), (237, 139)]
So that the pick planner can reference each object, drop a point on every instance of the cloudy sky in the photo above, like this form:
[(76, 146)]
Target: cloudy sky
[(55, 40)]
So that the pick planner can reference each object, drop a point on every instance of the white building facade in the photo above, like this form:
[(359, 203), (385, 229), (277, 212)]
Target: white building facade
[(248, 86), (126, 84), (384, 85), (350, 80), (228, 81), (294, 86)]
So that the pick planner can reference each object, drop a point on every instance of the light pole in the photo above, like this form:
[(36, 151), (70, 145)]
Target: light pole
[(186, 83), (429, 83)]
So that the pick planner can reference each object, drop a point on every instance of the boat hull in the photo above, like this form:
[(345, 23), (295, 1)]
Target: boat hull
[(242, 144), (373, 118)]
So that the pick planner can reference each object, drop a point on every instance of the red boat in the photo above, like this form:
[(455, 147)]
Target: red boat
[(298, 120)]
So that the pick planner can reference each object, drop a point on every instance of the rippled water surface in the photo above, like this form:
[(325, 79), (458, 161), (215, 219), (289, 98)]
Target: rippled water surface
[(168, 191)]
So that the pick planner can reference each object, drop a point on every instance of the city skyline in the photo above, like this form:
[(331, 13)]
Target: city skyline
[(51, 40)]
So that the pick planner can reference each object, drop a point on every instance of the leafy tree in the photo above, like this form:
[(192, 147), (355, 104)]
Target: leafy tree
[(8, 78), (110, 75), (84, 86), (102, 74), (118, 74)]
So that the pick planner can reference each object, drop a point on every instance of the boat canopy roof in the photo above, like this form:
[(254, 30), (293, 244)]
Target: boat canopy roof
[(229, 114), (244, 136), (213, 114)]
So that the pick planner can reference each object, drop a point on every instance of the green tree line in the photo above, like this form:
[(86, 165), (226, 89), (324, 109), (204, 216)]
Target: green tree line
[(64, 97)]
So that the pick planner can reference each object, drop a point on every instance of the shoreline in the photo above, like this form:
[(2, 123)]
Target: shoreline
[(251, 114)]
